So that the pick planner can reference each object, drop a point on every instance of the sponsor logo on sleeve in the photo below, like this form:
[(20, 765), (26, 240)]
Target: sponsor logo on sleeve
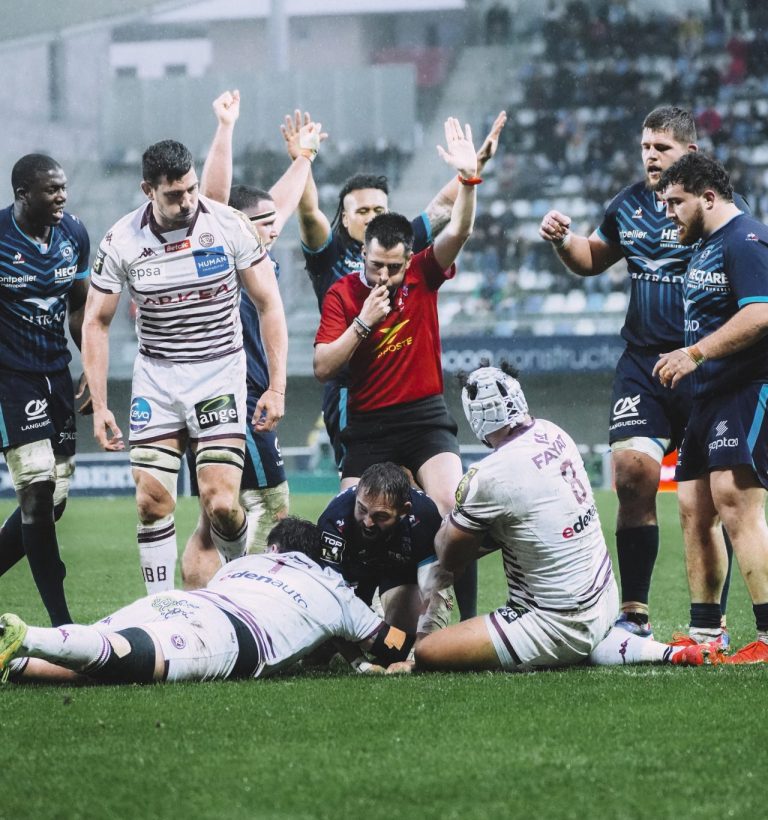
[(462, 491), (211, 261), (140, 415), (219, 410), (331, 547), (98, 262)]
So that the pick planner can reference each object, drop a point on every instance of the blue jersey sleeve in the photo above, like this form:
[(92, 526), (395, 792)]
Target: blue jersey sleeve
[(422, 232), (608, 230), (425, 522)]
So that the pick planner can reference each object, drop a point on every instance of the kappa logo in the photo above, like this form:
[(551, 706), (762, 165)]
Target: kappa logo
[(36, 410), (626, 407), (146, 253), (390, 344)]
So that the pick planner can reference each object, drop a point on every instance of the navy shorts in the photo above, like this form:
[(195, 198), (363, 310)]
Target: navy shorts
[(36, 407), (641, 406), (407, 434), (727, 430), (264, 466), (335, 416)]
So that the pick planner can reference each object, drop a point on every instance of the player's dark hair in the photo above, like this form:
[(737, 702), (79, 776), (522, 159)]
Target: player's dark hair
[(167, 158), (292, 534), (697, 173), (386, 479), (390, 229), (463, 376), (677, 121), (246, 196), (358, 182), (26, 169)]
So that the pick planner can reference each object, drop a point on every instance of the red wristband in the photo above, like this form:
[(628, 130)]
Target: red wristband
[(470, 180)]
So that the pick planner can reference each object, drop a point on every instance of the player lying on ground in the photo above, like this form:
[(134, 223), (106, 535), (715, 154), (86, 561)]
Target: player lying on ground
[(531, 498), (259, 614)]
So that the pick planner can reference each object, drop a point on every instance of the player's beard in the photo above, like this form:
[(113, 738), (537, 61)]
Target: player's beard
[(694, 230)]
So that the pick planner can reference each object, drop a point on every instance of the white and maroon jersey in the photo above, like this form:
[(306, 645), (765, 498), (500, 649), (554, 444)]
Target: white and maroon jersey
[(184, 283), (290, 605), (532, 498)]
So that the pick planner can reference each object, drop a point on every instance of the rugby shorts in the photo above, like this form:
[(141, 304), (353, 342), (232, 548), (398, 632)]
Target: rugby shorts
[(205, 399), (527, 639), (726, 430), (199, 640), (36, 407), (408, 434), (642, 406), (264, 467)]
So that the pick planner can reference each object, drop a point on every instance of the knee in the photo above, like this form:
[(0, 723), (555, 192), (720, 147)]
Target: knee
[(36, 502), (151, 507), (425, 654), (221, 506)]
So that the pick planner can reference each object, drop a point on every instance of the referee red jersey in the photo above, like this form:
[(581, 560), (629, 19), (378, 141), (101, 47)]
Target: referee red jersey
[(400, 361)]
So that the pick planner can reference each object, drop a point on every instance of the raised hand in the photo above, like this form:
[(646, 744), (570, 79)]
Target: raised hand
[(227, 107), (459, 151)]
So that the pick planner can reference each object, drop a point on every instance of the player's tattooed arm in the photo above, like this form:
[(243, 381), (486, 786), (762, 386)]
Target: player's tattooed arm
[(438, 211)]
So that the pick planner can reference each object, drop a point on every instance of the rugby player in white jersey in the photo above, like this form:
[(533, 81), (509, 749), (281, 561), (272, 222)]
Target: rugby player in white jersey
[(184, 259), (532, 500), (259, 615)]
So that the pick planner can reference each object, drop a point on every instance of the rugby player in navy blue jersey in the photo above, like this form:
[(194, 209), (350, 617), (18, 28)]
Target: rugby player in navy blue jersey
[(380, 534), (334, 249), (724, 361), (646, 422), (264, 488), (43, 280)]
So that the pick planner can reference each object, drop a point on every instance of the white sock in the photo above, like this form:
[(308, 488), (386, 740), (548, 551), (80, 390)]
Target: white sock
[(621, 647), (230, 547), (157, 554), (701, 635), (73, 646)]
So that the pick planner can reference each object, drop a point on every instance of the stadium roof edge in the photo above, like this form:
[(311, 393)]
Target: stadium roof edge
[(40, 20)]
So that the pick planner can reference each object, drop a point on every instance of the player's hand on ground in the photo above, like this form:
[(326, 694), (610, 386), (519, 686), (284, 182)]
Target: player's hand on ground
[(291, 130), (459, 151), (672, 367), (376, 307), (491, 142), (227, 107), (106, 432), (270, 408), (555, 226), (401, 668), (86, 408)]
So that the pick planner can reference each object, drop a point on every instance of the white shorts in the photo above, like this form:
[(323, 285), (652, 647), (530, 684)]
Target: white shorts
[(205, 399), (537, 639), (197, 639)]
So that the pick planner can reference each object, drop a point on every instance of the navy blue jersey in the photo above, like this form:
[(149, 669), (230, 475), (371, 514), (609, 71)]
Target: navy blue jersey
[(728, 271), (656, 262), (255, 356), (336, 258), (34, 286), (408, 544)]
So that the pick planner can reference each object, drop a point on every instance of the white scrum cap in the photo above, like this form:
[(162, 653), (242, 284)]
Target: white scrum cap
[(492, 400)]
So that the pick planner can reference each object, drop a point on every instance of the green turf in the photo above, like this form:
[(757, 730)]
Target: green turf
[(581, 743)]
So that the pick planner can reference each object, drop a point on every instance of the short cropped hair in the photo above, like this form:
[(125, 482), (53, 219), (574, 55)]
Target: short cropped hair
[(390, 229), (697, 173), (246, 196), (169, 159), (292, 534), (386, 479), (677, 121), (358, 182), (26, 169)]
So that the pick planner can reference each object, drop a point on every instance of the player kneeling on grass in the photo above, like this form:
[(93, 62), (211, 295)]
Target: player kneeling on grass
[(531, 499), (258, 615)]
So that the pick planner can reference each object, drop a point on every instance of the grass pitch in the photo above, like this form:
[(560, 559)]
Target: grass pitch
[(633, 742)]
